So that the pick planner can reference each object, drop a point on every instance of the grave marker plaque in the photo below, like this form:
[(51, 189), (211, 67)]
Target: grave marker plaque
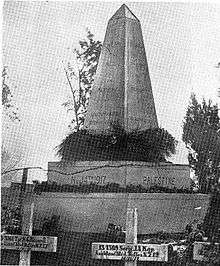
[(130, 252), (138, 252), (26, 243)]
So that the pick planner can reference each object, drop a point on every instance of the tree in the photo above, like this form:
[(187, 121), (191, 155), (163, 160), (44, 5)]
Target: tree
[(8, 159), (87, 60), (212, 218), (218, 66), (201, 134), (7, 102)]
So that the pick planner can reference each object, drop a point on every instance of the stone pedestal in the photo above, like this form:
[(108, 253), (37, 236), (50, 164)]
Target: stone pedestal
[(93, 212), (122, 172)]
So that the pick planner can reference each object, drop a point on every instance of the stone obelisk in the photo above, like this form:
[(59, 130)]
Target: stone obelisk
[(122, 93)]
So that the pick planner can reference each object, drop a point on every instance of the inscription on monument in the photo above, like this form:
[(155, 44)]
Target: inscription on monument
[(162, 181), (122, 173), (88, 179)]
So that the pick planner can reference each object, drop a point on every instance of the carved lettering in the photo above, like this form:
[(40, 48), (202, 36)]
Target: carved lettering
[(159, 180), (88, 179)]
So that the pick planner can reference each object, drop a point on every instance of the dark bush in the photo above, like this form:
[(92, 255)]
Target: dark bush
[(151, 145)]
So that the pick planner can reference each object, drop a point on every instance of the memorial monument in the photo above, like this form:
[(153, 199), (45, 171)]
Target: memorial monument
[(121, 96), (122, 92)]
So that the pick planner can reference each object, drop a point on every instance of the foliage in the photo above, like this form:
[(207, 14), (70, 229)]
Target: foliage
[(11, 220), (6, 93), (213, 256), (108, 188), (87, 60), (212, 218), (151, 145), (50, 226), (115, 230), (181, 246), (201, 134), (9, 161), (7, 103)]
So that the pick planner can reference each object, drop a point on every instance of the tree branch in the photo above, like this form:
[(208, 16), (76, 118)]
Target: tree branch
[(74, 100)]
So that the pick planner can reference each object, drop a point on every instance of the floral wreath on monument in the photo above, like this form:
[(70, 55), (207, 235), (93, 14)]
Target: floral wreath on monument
[(150, 145)]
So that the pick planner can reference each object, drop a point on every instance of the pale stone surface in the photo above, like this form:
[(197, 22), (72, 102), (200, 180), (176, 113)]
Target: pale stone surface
[(93, 212), (122, 92), (122, 95), (123, 173)]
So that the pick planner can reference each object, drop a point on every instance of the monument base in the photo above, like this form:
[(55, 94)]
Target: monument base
[(124, 173), (93, 212)]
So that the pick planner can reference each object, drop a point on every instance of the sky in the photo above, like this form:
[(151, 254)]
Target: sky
[(182, 47)]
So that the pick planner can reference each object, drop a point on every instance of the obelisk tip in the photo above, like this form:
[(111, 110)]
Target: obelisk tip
[(124, 12)]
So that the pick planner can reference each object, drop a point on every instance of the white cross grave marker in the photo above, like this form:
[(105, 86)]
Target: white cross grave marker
[(130, 251), (26, 242), (131, 232)]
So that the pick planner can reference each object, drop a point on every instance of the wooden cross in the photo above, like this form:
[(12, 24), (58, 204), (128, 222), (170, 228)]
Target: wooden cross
[(26, 242), (130, 251), (131, 231), (27, 227)]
